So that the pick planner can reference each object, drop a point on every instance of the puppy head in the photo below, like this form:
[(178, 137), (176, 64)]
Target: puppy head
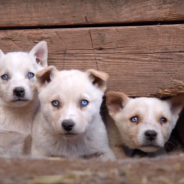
[(71, 99), (144, 123), (17, 72)]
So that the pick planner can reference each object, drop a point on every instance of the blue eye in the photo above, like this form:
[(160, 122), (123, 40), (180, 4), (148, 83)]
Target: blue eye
[(163, 120), (84, 103), (4, 77), (55, 103), (30, 75), (134, 119)]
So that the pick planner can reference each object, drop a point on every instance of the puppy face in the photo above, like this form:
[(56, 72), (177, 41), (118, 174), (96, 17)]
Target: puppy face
[(18, 74), (70, 99), (144, 123)]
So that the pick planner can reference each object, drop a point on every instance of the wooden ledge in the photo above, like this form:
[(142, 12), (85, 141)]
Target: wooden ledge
[(167, 169)]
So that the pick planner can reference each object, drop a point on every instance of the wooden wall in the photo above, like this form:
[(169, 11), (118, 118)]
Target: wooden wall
[(140, 43)]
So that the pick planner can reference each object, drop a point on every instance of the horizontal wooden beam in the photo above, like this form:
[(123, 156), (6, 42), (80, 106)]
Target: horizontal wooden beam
[(141, 61), (148, 171), (86, 12)]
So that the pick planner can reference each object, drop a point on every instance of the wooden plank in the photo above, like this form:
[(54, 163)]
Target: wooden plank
[(161, 170), (141, 61), (82, 12)]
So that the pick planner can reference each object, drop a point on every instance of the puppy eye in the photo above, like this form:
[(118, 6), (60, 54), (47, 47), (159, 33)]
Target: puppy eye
[(84, 103), (30, 75), (55, 103), (134, 119), (163, 120), (4, 77)]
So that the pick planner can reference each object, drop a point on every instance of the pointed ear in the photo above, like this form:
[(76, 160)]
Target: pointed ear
[(115, 101), (1, 54), (40, 52), (98, 78), (177, 103), (46, 75)]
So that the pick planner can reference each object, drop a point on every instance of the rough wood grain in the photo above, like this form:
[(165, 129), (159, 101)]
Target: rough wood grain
[(82, 12), (136, 171), (141, 61)]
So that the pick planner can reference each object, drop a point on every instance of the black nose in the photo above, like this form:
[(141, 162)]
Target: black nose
[(150, 135), (19, 92), (68, 125)]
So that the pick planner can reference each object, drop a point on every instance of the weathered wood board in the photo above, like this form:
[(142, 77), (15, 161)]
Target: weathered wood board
[(143, 171), (84, 12), (141, 61)]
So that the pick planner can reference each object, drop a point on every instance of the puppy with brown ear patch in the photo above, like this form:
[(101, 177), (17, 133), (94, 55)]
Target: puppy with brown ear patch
[(141, 123), (68, 123)]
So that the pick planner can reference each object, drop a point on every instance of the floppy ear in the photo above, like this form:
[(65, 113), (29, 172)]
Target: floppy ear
[(46, 75), (98, 78), (115, 101), (40, 52), (177, 103), (1, 54)]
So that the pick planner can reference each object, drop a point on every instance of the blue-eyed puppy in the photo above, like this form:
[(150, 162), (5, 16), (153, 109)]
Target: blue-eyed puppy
[(141, 123), (18, 96), (68, 123)]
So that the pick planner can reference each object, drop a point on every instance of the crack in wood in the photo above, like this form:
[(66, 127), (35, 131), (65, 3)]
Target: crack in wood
[(91, 39), (59, 37), (65, 51)]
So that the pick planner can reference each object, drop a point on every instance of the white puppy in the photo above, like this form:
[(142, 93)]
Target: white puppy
[(18, 96), (68, 123), (141, 123)]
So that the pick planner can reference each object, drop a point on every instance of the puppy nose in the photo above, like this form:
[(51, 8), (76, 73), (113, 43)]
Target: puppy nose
[(19, 92), (68, 125), (150, 135)]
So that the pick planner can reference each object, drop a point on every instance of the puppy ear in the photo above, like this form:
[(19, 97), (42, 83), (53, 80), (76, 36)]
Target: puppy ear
[(40, 52), (98, 78), (115, 101), (177, 103), (46, 75), (1, 54)]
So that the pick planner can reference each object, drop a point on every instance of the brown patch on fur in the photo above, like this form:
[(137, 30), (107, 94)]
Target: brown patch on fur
[(99, 78), (45, 75), (116, 101), (119, 152), (133, 135)]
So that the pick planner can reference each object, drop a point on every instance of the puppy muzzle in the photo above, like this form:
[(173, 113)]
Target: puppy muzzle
[(19, 92), (68, 128)]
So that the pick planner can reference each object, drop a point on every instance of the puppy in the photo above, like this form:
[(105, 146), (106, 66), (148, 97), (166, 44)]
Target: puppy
[(18, 96), (141, 123), (68, 123)]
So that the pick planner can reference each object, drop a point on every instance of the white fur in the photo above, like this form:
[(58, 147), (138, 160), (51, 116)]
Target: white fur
[(16, 116), (89, 138), (149, 112)]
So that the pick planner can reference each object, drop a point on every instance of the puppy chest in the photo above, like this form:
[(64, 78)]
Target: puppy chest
[(15, 125), (72, 150)]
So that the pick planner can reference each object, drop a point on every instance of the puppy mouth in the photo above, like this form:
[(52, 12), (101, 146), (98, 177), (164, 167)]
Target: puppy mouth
[(154, 146), (150, 146), (69, 134), (19, 100)]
